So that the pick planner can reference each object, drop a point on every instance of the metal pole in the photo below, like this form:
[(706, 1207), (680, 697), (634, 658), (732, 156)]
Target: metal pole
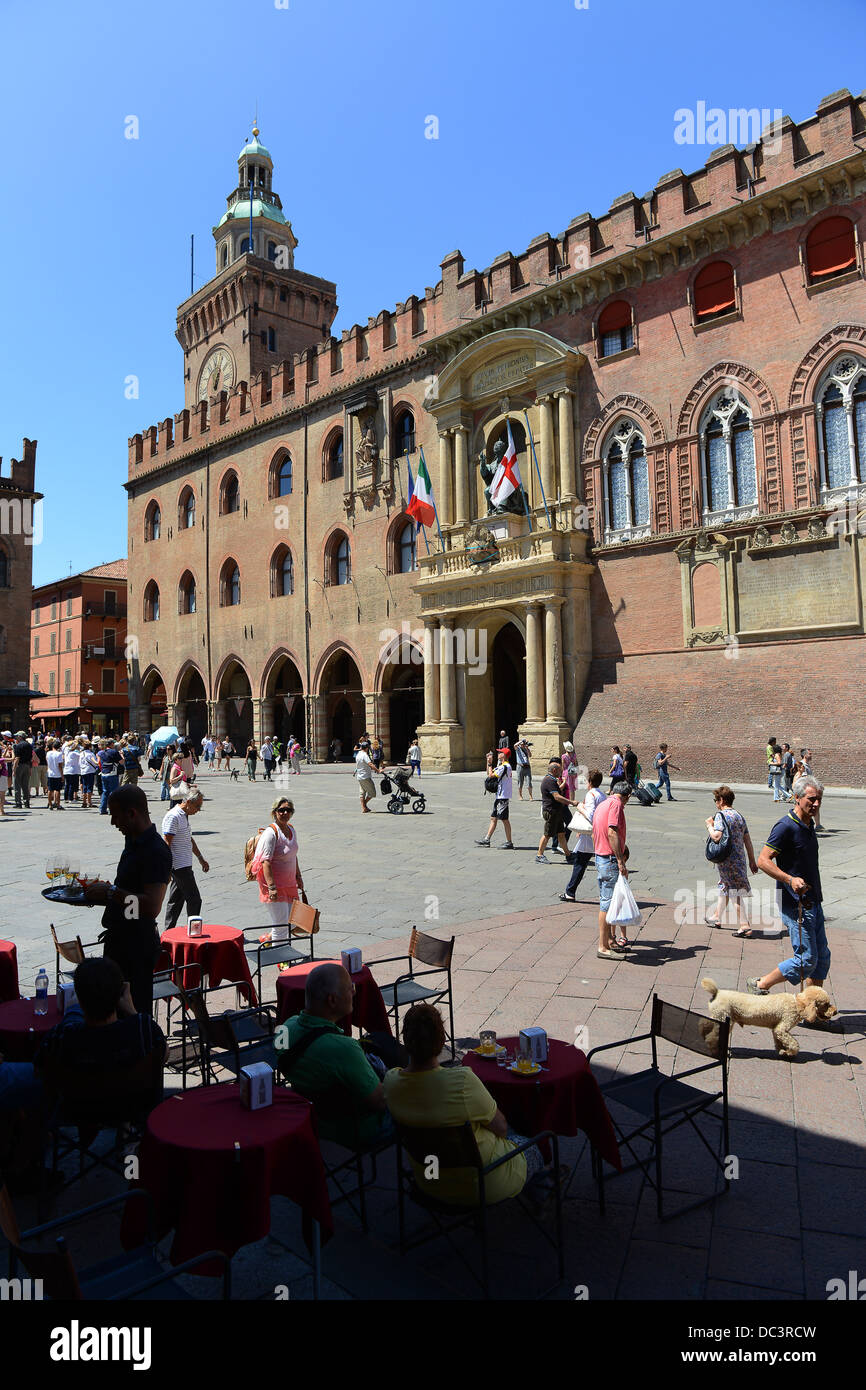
[(538, 470)]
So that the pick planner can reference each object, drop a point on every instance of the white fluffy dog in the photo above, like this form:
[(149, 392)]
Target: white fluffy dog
[(780, 1012)]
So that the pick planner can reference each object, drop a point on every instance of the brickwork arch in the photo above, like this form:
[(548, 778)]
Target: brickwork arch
[(339, 645), (845, 336), (186, 669), (625, 404), (734, 374), (271, 665), (223, 669)]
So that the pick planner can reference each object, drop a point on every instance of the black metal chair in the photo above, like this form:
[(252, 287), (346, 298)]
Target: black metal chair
[(667, 1102), (233, 1039), (407, 989), (129, 1275), (303, 922), (81, 1104), (455, 1147), (336, 1105)]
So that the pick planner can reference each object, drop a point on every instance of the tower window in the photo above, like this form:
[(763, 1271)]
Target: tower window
[(334, 457), (404, 431), (272, 340)]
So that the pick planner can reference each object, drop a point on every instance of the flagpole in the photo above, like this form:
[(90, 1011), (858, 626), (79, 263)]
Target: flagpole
[(521, 489), (538, 471), (419, 526), (432, 497)]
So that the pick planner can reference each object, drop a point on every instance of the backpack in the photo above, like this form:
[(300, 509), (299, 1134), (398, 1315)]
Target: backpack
[(250, 851), (491, 784)]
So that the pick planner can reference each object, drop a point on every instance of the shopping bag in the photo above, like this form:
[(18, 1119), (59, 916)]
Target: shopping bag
[(579, 822), (623, 910)]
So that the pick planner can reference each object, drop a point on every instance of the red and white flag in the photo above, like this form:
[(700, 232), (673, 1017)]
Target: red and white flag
[(506, 479)]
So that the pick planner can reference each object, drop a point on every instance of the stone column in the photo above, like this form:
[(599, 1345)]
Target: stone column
[(822, 463), (553, 661), (431, 675), (257, 720), (218, 718), (447, 674), (567, 477), (446, 482), (546, 459), (267, 718), (461, 469), (852, 447), (534, 659), (317, 734)]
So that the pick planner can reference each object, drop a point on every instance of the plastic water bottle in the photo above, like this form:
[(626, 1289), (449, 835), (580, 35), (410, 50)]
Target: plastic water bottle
[(40, 1004)]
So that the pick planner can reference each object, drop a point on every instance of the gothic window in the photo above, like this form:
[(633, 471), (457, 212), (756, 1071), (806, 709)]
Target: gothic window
[(186, 510), (334, 456), (282, 573), (615, 328), (230, 494), (152, 522), (151, 603), (404, 434), (406, 556), (230, 585), (728, 457), (841, 414), (626, 496), (281, 476), (338, 560), (714, 291), (225, 255), (831, 249), (186, 593)]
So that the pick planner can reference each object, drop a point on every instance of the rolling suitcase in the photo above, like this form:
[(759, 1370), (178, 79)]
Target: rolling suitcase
[(644, 796), (654, 791)]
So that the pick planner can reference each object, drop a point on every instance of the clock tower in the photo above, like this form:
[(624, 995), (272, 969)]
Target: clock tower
[(257, 310)]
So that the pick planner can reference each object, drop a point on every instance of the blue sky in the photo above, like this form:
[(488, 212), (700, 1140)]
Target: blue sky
[(545, 111)]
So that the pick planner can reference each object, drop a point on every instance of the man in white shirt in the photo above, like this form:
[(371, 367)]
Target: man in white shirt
[(501, 804), (178, 836), (364, 774)]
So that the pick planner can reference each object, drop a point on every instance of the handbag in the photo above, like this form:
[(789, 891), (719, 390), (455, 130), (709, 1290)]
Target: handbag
[(579, 822), (717, 851)]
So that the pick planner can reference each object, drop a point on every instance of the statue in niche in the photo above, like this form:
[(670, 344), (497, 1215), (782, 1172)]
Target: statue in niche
[(367, 452), (517, 502)]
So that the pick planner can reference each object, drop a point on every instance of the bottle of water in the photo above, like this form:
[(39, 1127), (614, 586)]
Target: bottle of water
[(40, 1005)]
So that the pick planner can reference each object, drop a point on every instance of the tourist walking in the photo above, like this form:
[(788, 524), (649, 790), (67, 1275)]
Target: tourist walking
[(54, 756), (110, 763), (89, 768), (733, 871), (228, 753), (71, 771), (502, 801), (364, 774), (295, 756), (790, 856), (131, 766), (570, 769), (165, 772), (787, 771), (554, 799), (276, 869), (776, 773), (583, 849), (771, 753), (616, 771), (524, 767), (503, 740), (608, 840), (268, 758), (662, 764), (178, 836), (377, 754), (252, 757), (413, 757), (629, 765)]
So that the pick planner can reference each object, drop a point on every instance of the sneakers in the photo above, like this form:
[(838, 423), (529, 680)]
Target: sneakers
[(567, 898), (557, 850), (541, 859), (508, 845), (485, 843), (752, 986)]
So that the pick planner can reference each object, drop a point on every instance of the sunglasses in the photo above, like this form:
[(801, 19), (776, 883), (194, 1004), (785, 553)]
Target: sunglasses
[(283, 811)]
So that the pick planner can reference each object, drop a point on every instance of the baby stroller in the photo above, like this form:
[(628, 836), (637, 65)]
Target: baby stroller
[(400, 792)]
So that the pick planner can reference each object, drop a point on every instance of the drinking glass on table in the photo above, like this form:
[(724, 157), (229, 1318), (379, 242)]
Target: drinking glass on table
[(487, 1041)]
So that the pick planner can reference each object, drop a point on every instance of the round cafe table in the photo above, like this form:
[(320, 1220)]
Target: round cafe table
[(212, 1166), (8, 971), (21, 1030), (219, 952), (368, 1011), (564, 1098)]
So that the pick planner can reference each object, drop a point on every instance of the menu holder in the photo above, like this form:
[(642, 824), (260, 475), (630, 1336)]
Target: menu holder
[(352, 960), (194, 926), (257, 1085), (533, 1044)]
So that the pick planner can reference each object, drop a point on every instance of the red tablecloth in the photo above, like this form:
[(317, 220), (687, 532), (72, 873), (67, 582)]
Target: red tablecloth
[(369, 1008), (21, 1030), (8, 971), (219, 951), (564, 1098), (213, 1195)]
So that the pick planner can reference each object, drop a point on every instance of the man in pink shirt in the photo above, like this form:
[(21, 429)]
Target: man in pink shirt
[(608, 841)]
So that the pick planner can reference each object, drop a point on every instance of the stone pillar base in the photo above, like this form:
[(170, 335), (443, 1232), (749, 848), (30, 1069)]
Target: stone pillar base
[(441, 747), (547, 739)]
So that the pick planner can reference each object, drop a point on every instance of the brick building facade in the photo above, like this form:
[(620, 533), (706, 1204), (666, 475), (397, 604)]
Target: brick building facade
[(78, 652), (20, 529), (684, 379)]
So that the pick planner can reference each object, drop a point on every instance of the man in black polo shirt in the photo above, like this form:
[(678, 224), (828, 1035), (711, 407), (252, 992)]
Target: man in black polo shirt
[(133, 901), (553, 802), (629, 764), (21, 766), (790, 856)]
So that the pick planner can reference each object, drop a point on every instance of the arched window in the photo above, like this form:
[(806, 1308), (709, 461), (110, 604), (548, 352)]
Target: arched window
[(272, 250), (334, 456), (186, 593), (842, 449), (615, 328), (225, 255), (280, 480), (272, 340), (404, 434), (246, 245), (728, 465), (714, 291), (230, 494), (282, 573), (151, 602), (406, 555), (152, 522), (338, 560), (4, 570), (230, 585), (186, 510), (830, 249), (626, 493)]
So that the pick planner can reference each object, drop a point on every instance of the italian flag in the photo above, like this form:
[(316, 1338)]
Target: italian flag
[(420, 505)]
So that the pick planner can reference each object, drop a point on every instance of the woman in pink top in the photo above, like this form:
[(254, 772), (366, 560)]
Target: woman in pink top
[(275, 865)]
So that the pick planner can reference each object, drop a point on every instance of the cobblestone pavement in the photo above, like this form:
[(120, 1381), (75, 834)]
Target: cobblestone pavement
[(795, 1216)]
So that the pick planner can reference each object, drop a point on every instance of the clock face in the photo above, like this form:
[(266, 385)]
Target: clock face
[(217, 374)]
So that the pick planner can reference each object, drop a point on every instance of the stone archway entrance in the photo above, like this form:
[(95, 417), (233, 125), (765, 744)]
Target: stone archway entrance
[(509, 683), (405, 694), (191, 712), (284, 703), (342, 695), (236, 707)]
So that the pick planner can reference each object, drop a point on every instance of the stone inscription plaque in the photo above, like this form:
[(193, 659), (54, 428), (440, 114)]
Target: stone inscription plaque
[(795, 588), (498, 374)]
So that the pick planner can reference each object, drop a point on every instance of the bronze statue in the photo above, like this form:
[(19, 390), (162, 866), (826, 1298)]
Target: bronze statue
[(517, 502)]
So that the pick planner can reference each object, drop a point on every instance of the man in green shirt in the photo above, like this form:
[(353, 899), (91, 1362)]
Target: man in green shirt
[(315, 1056)]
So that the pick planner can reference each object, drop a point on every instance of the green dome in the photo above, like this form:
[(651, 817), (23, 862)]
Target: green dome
[(255, 147), (241, 212)]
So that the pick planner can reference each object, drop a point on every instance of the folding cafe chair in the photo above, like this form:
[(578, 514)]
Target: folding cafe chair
[(303, 922), (407, 989)]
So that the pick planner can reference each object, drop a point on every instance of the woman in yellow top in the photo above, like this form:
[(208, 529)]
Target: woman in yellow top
[(424, 1095)]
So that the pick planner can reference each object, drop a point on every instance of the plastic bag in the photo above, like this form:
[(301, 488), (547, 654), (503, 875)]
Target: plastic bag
[(623, 910)]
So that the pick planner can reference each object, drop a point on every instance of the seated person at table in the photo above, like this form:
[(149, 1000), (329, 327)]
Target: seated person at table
[(424, 1095), (333, 1059), (102, 1031)]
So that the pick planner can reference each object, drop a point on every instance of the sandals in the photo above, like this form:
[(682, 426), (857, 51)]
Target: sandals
[(745, 932)]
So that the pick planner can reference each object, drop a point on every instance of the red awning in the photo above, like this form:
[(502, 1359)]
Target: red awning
[(830, 246), (714, 289)]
